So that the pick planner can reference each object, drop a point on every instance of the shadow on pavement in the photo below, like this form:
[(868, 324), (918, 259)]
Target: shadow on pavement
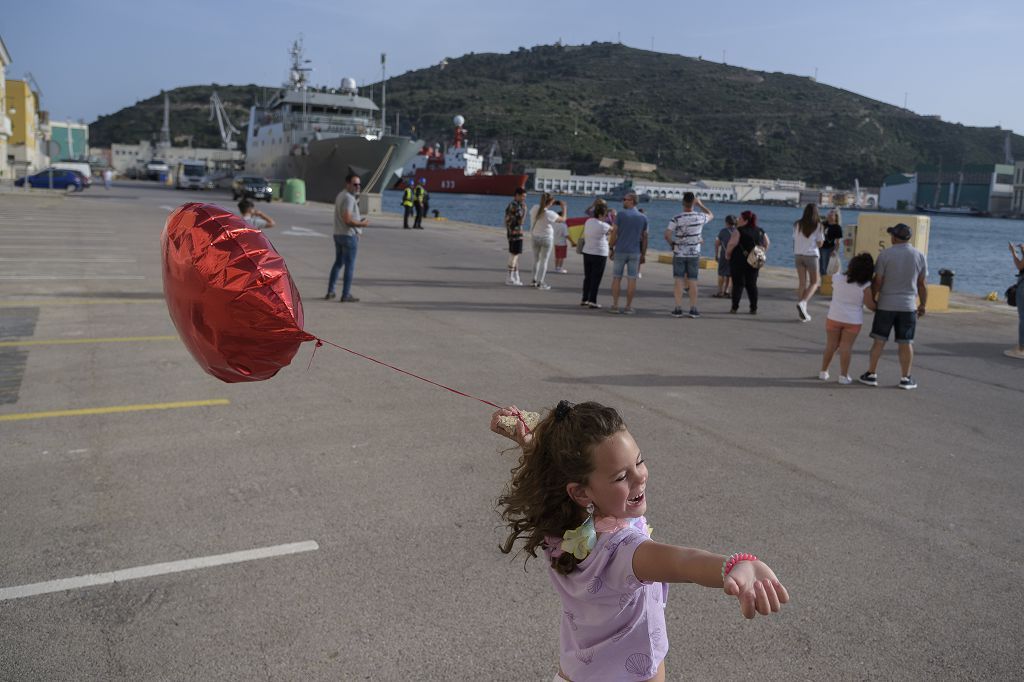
[(696, 380)]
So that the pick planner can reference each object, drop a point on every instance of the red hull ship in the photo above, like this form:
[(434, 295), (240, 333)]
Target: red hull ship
[(460, 170)]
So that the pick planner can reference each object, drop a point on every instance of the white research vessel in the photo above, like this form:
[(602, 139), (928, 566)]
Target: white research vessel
[(318, 135)]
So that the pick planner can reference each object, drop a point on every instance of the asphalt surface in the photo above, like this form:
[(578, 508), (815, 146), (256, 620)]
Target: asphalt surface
[(893, 517)]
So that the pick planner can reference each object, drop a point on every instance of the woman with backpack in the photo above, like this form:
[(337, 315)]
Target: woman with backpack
[(746, 253)]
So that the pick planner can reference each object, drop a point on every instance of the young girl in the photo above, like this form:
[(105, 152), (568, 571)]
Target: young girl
[(850, 294), (561, 247), (807, 238), (579, 494)]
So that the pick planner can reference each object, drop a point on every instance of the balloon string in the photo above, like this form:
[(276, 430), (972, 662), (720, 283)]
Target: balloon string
[(320, 342)]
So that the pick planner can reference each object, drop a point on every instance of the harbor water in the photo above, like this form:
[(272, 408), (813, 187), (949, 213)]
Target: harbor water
[(973, 248)]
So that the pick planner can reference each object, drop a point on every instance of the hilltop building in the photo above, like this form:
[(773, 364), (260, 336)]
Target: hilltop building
[(5, 120), (28, 143)]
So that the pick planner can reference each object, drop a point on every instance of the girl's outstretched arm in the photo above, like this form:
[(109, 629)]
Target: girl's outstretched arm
[(522, 436), (752, 582)]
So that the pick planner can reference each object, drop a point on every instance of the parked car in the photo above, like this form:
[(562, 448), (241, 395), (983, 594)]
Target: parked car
[(157, 170), (80, 166), (61, 179), (253, 187)]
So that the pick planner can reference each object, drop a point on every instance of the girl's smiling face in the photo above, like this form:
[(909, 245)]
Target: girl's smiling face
[(617, 485)]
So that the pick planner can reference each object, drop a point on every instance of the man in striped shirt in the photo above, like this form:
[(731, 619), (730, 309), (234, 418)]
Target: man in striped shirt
[(683, 235)]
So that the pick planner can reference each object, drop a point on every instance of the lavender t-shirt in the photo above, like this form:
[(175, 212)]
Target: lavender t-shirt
[(613, 625)]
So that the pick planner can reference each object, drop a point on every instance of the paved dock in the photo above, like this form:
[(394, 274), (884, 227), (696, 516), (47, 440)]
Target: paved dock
[(339, 523)]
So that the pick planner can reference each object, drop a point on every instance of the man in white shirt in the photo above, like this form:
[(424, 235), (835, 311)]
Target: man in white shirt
[(683, 235), (348, 225)]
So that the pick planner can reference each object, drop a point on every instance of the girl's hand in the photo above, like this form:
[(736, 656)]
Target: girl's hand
[(756, 588), (521, 437)]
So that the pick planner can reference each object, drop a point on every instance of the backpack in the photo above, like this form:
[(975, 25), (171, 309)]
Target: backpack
[(756, 257)]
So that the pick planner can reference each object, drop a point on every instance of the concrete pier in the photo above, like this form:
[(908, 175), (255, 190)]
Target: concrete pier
[(893, 517)]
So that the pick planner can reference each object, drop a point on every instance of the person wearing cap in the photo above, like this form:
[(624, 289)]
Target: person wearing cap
[(407, 204), (899, 281), (419, 201)]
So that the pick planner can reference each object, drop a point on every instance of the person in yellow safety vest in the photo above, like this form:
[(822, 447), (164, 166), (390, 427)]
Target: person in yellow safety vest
[(419, 200), (407, 204)]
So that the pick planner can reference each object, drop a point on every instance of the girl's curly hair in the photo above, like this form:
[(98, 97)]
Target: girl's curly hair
[(535, 503)]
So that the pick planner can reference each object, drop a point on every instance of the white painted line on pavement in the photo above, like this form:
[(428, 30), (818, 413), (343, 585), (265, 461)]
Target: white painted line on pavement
[(151, 570), (167, 208), (296, 231)]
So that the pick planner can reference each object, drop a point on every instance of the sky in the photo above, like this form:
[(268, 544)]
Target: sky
[(958, 60)]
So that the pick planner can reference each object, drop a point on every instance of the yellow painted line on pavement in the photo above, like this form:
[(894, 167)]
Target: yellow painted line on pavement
[(88, 301), (113, 410), (67, 342)]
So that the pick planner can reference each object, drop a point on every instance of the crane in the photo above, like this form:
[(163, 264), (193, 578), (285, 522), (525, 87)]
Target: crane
[(227, 129)]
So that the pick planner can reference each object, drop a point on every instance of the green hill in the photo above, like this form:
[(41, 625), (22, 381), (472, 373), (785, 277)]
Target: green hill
[(569, 106), (189, 116)]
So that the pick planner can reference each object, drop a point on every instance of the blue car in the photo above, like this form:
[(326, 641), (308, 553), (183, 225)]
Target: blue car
[(62, 179)]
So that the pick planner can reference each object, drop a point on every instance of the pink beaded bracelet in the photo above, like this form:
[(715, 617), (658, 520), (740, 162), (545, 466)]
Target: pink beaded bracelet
[(731, 562)]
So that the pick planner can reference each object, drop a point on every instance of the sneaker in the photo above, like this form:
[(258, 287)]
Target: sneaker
[(801, 308), (694, 313), (515, 278), (868, 379), (677, 312), (542, 285), (614, 310), (594, 305), (1014, 353), (510, 281), (845, 380), (583, 304), (629, 311), (907, 383), (330, 295), (753, 311), (349, 299), (533, 283), (562, 271), (823, 376)]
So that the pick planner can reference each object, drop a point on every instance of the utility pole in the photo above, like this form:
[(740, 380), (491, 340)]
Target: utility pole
[(383, 92), (905, 100)]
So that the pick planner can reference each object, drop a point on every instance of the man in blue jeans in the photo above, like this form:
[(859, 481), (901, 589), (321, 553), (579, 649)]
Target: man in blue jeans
[(628, 243), (348, 225)]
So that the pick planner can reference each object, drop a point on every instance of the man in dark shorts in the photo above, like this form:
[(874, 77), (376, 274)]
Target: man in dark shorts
[(515, 214), (900, 274)]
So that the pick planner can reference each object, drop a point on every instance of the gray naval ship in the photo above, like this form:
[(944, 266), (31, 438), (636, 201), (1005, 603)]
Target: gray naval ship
[(319, 135)]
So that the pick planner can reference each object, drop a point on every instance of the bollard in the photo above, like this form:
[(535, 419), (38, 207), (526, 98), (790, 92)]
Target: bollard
[(946, 278)]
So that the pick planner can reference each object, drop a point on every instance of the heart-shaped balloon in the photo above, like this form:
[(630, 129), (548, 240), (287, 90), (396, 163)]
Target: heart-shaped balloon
[(229, 294)]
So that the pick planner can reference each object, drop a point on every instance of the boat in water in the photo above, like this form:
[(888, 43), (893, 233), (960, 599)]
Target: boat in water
[(951, 210), (619, 192), (461, 169), (319, 135)]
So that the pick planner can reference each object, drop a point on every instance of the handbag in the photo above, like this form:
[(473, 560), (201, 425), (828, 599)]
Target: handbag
[(579, 245), (756, 257), (1011, 295), (833, 265)]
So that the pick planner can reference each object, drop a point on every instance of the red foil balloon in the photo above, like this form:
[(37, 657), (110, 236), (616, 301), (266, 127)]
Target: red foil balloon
[(229, 294)]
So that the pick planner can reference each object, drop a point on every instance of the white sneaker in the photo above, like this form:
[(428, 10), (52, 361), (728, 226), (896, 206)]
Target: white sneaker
[(543, 286), (801, 308), (562, 271), (515, 278), (1014, 353), (845, 380), (823, 376), (510, 281)]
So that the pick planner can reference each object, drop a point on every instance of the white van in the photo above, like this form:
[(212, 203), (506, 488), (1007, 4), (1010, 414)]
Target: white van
[(192, 175), (80, 166)]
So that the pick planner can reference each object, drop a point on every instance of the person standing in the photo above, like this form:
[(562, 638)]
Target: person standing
[(721, 241), (741, 244), (851, 292), (543, 236), (807, 237), (899, 279), (419, 200), (108, 177), (515, 214), (407, 204), (833, 230), (348, 225), (683, 235), (629, 245), (595, 255), (1018, 263)]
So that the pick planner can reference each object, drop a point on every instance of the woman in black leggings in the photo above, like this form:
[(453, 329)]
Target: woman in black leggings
[(747, 235)]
